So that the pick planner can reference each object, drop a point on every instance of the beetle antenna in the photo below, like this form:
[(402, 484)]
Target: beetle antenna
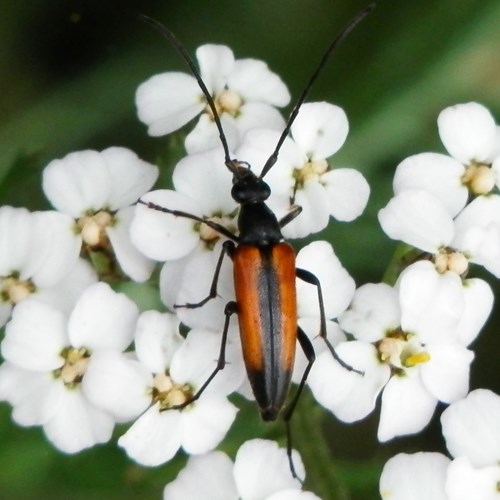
[(181, 50), (295, 111)]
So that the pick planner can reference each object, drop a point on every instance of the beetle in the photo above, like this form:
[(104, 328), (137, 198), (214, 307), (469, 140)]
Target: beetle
[(264, 268)]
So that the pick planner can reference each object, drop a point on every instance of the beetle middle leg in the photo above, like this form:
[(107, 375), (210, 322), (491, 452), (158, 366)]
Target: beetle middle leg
[(309, 277)]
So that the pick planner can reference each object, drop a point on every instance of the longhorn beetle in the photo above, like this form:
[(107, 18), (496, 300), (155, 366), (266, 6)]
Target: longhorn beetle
[(264, 268)]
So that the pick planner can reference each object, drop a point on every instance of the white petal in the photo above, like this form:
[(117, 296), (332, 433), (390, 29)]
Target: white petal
[(168, 101), (468, 131), (77, 183), (171, 277), (446, 375), (337, 285), (205, 178), (417, 218), (131, 177), (315, 211), (435, 173), (117, 384), (311, 327), (419, 476), (132, 262), (204, 425), (261, 468), (55, 248), (293, 495), (253, 81), (28, 392), (470, 427), (157, 339), (154, 438), (255, 115), (195, 286), (431, 303), (103, 319), (216, 64), (64, 294), (374, 311), (162, 236), (320, 129), (196, 359), (205, 477), (478, 306), (465, 482), (347, 191), (77, 424), (35, 337), (205, 134), (477, 232), (407, 407), (16, 228), (350, 396), (5, 310)]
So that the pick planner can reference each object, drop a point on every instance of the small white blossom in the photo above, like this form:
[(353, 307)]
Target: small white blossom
[(245, 93), (39, 259), (302, 172), (167, 372), (260, 472), (46, 357), (98, 189)]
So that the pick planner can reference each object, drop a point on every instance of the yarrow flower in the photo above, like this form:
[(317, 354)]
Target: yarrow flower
[(470, 427), (153, 387), (303, 175), (260, 471), (98, 189), (245, 93), (46, 358), (39, 259), (410, 340)]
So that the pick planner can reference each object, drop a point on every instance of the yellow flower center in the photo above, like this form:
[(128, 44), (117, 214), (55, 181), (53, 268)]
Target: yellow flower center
[(93, 228), (169, 394), (14, 290), (226, 101), (76, 360), (209, 235), (402, 350), (479, 178), (451, 260), (312, 170)]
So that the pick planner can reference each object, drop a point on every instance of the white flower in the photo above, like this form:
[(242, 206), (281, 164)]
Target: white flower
[(98, 189), (420, 219), (245, 92), (202, 188), (417, 476), (39, 259), (303, 174), (412, 340), (260, 472), (168, 372), (47, 355), (470, 135)]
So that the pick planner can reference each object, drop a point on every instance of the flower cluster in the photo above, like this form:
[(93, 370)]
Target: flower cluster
[(81, 357)]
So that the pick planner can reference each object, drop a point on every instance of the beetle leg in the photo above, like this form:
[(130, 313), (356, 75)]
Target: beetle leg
[(294, 212), (227, 248), (309, 277), (308, 350), (229, 310), (178, 213)]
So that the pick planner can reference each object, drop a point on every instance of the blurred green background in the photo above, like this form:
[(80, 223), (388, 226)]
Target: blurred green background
[(68, 73)]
